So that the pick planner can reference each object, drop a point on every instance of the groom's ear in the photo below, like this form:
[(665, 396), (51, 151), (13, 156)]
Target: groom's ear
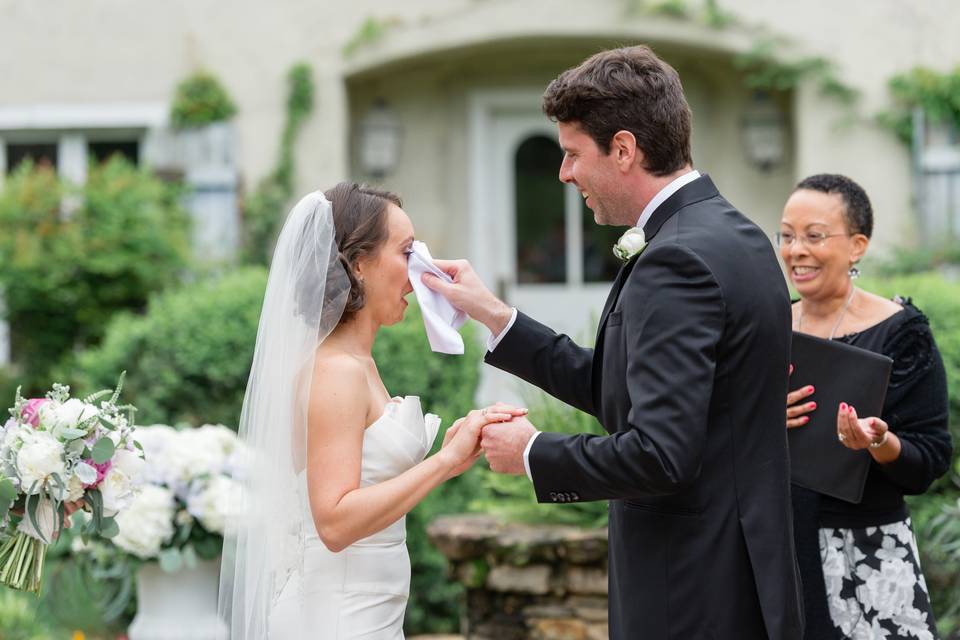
[(625, 151)]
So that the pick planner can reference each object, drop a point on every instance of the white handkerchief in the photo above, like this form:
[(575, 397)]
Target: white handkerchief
[(441, 319)]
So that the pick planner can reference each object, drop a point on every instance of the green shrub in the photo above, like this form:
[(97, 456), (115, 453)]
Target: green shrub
[(188, 357), (200, 99), (70, 258), (18, 617)]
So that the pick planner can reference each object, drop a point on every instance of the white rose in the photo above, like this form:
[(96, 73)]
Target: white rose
[(40, 457), (59, 417), (73, 490), (46, 520), (147, 523), (214, 502), (630, 243)]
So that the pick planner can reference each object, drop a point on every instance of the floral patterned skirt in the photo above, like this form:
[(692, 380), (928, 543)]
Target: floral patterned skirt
[(875, 589)]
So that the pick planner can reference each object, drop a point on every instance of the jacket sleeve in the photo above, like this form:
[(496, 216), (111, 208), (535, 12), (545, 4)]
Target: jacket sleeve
[(673, 321), (553, 362)]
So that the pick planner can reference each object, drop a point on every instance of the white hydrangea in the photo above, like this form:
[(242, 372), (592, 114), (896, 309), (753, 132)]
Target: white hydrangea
[(40, 456), (157, 442), (147, 522), (213, 501)]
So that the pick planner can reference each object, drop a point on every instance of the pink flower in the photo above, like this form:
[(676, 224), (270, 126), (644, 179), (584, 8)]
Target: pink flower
[(31, 412), (102, 469)]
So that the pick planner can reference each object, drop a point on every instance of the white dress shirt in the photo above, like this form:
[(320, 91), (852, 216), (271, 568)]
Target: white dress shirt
[(645, 215)]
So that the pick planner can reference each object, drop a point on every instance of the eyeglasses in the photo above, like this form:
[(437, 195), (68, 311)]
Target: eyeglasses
[(810, 240)]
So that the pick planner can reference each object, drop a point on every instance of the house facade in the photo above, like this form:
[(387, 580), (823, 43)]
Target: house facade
[(439, 100)]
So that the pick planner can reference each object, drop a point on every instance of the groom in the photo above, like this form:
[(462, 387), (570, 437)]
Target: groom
[(688, 376)]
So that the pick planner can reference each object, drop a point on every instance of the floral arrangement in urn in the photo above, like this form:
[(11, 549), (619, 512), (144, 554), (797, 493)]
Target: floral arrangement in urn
[(191, 484), (59, 454)]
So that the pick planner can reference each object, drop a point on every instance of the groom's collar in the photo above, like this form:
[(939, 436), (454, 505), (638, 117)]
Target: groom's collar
[(701, 188)]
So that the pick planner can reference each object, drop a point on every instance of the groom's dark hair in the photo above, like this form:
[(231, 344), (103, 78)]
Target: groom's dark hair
[(627, 89)]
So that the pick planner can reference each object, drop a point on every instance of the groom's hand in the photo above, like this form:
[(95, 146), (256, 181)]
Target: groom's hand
[(467, 292), (504, 443)]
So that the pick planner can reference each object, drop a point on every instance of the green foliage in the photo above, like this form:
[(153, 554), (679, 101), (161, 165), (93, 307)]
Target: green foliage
[(512, 497), (264, 209), (70, 258), (200, 99), (764, 70), (936, 93), (446, 386), (915, 260), (188, 357), (18, 617)]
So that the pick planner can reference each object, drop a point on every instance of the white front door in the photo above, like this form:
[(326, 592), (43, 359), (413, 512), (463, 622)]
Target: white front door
[(532, 238)]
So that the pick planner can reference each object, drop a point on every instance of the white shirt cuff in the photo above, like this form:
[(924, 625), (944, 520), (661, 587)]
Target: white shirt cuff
[(493, 340), (526, 455)]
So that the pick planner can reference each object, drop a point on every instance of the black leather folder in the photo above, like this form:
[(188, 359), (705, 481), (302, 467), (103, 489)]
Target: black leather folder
[(840, 373)]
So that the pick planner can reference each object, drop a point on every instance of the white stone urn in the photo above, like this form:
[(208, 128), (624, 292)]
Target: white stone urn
[(181, 605)]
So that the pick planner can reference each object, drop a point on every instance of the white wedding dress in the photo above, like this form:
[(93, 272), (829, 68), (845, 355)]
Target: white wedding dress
[(360, 592)]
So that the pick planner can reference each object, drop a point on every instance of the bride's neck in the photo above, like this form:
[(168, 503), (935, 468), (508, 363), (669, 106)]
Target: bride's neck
[(356, 336)]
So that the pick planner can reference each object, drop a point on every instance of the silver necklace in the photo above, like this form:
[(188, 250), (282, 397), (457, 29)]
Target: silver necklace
[(843, 312)]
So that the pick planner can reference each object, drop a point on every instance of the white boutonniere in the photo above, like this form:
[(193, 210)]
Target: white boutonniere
[(630, 244)]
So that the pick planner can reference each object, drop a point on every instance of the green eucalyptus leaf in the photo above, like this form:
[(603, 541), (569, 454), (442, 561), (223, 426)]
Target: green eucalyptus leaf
[(103, 450), (170, 560), (109, 527), (8, 492)]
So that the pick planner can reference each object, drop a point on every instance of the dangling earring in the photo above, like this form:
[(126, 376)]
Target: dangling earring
[(854, 272)]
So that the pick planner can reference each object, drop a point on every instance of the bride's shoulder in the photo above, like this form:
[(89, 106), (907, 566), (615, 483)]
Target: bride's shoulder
[(337, 364)]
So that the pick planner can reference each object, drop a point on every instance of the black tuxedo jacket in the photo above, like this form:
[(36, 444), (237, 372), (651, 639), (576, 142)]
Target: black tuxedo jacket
[(689, 377)]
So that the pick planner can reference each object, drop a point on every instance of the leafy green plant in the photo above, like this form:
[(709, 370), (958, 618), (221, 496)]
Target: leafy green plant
[(370, 31), (264, 209), (18, 618), (64, 272), (936, 93), (199, 100), (188, 357)]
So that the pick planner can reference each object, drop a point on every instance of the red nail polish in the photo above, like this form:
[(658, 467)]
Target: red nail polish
[(843, 406), (806, 419), (810, 389), (813, 405)]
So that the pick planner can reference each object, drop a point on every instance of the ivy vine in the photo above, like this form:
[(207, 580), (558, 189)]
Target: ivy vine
[(936, 93), (763, 70), (264, 209)]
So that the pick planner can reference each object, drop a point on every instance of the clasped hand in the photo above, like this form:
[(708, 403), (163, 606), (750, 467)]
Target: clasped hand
[(500, 431)]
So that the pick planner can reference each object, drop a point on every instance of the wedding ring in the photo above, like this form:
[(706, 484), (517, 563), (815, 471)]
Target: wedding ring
[(841, 437), (483, 412)]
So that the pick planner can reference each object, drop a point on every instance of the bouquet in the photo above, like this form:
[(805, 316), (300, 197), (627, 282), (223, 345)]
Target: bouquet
[(191, 486), (57, 451)]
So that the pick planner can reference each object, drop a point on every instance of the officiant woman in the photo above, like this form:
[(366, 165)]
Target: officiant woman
[(859, 562)]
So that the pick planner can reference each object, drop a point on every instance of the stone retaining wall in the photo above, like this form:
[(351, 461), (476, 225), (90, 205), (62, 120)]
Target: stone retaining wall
[(527, 582)]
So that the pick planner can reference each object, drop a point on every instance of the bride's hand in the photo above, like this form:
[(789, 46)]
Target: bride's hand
[(461, 442)]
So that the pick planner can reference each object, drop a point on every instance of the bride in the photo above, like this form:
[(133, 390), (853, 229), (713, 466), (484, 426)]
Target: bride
[(318, 548)]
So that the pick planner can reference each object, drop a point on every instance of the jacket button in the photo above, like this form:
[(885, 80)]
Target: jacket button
[(553, 496)]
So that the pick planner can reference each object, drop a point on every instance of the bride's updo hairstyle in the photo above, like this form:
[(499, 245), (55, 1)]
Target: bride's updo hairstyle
[(360, 224)]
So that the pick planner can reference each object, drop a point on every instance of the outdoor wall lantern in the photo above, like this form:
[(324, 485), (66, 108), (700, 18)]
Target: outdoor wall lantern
[(379, 140), (764, 132)]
